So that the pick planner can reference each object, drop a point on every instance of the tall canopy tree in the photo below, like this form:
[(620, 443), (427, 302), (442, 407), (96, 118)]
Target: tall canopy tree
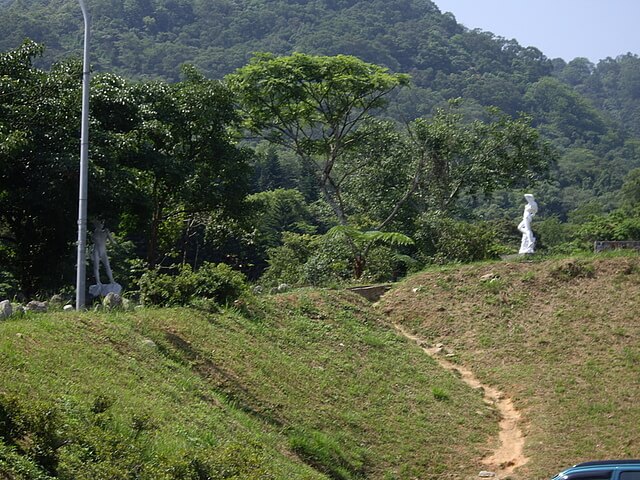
[(313, 105)]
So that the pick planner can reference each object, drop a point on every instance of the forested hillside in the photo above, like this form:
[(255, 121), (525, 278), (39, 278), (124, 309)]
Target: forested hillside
[(423, 167), (578, 104)]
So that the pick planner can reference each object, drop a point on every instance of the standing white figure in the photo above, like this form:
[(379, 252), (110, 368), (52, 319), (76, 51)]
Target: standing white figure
[(528, 240), (99, 254)]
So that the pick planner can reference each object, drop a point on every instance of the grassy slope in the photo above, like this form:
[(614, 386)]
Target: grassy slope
[(306, 385), (559, 336)]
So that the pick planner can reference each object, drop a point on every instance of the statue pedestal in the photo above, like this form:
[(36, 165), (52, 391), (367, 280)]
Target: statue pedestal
[(102, 289)]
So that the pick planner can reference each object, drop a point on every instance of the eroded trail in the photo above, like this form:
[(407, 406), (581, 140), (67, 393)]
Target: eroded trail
[(510, 452)]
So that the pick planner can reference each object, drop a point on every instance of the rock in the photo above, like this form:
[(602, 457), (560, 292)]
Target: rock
[(488, 277), (127, 304), (5, 309), (68, 308), (486, 474), (112, 301), (257, 290), (283, 287), (56, 301), (147, 342), (36, 306)]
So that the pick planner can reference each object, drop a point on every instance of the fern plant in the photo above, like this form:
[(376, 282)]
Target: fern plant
[(361, 242)]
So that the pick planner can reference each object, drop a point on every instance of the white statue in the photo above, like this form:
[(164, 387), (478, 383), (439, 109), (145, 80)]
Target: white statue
[(528, 240), (99, 255)]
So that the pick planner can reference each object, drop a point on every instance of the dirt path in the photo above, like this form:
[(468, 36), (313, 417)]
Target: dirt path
[(510, 452)]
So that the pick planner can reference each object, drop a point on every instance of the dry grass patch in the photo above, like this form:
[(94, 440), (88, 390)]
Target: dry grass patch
[(558, 336)]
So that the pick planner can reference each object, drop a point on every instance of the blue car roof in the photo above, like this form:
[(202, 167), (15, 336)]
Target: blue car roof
[(599, 465), (614, 463)]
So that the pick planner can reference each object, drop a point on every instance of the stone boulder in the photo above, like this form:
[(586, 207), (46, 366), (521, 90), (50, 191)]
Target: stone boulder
[(112, 301), (56, 302), (36, 306), (5, 309)]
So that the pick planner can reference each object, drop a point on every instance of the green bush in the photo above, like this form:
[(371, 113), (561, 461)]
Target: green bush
[(322, 260), (8, 286), (220, 282), (287, 261), (618, 225), (330, 263), (216, 282), (441, 239), (385, 264), (308, 260), (165, 289)]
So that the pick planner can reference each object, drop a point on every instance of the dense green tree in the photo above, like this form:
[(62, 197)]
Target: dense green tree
[(162, 158), (187, 161), (631, 189), (314, 106), (459, 158), (577, 71), (564, 114), (39, 155)]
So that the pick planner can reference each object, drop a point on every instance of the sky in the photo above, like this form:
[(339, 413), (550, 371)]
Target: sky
[(594, 29)]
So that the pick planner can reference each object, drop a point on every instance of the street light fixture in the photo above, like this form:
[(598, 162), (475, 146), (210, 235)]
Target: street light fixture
[(84, 169)]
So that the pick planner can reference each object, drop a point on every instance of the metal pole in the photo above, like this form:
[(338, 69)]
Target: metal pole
[(84, 169)]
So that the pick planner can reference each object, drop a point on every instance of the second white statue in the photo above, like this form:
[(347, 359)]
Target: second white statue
[(528, 243)]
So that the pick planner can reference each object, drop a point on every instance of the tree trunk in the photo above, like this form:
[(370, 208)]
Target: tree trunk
[(156, 219), (358, 266)]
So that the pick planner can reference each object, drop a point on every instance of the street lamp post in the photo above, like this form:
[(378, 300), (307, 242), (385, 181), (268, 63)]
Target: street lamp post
[(84, 169)]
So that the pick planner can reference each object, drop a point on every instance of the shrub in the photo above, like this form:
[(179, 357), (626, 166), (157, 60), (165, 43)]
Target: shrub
[(165, 289), (219, 282), (216, 282), (286, 262), (618, 225), (442, 239), (308, 260), (8, 285), (385, 264), (322, 260)]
